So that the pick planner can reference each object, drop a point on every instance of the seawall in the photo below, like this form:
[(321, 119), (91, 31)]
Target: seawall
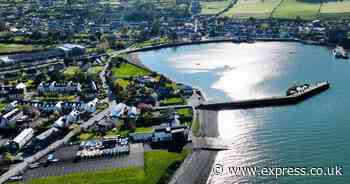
[(266, 102)]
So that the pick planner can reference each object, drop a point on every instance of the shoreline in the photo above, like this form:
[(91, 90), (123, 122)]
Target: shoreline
[(222, 40), (197, 166)]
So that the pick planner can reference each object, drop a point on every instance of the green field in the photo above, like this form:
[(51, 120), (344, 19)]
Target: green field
[(95, 70), (129, 70), (252, 8), (293, 9), (290, 9), (71, 71), (156, 167), (2, 105), (335, 9), (213, 7), (9, 48)]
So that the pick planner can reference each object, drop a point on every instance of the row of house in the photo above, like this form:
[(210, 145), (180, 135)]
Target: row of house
[(9, 119), (13, 92), (48, 106), (59, 87)]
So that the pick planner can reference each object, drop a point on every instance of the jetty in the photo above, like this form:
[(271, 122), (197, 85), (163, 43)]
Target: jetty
[(266, 102)]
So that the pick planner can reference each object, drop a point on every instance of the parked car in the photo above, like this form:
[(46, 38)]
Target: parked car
[(16, 178), (34, 165)]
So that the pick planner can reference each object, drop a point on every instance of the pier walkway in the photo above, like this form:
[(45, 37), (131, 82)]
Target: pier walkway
[(265, 102)]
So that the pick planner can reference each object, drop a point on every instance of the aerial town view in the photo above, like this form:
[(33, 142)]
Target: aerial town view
[(174, 91)]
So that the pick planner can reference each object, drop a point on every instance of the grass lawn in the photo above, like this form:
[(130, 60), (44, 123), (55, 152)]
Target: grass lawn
[(335, 9), (156, 165), (129, 70), (9, 48), (293, 8), (173, 101), (114, 132), (95, 70), (71, 71), (2, 105), (185, 112), (213, 7), (149, 43), (56, 97), (252, 8), (87, 136)]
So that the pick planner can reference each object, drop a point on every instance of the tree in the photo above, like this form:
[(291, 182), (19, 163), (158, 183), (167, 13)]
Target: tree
[(8, 157)]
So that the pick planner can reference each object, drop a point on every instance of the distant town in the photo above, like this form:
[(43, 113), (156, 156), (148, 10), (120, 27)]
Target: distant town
[(75, 98)]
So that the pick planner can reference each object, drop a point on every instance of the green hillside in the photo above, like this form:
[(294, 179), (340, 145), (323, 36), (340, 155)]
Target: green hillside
[(305, 9)]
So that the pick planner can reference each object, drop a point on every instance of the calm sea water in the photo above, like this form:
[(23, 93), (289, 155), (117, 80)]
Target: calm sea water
[(314, 133)]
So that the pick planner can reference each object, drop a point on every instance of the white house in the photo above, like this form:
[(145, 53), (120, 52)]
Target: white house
[(123, 111), (91, 106), (73, 116), (67, 120), (9, 107), (9, 119), (21, 139)]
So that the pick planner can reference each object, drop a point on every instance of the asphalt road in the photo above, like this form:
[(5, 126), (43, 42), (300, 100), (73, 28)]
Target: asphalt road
[(21, 167)]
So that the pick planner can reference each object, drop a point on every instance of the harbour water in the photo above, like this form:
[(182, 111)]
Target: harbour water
[(314, 133)]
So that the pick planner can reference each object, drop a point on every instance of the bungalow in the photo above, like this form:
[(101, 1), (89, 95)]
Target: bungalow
[(55, 87), (103, 125), (170, 133)]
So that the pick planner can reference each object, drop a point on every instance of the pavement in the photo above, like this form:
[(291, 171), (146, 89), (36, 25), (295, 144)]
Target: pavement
[(67, 166)]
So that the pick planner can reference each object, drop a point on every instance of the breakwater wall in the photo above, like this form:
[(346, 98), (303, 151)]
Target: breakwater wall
[(266, 102)]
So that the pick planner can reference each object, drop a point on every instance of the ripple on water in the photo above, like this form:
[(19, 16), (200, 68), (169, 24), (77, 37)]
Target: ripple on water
[(312, 133)]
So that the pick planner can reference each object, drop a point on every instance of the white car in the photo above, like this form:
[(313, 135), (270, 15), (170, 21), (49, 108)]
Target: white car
[(16, 178), (34, 165)]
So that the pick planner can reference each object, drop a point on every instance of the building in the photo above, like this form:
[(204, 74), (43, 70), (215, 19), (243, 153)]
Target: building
[(51, 106), (21, 139), (45, 56), (9, 119), (72, 50), (12, 92), (170, 133), (56, 87), (91, 106), (37, 57), (45, 138), (123, 111)]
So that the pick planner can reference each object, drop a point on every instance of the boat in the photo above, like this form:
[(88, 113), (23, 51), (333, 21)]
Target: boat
[(296, 89), (339, 52)]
